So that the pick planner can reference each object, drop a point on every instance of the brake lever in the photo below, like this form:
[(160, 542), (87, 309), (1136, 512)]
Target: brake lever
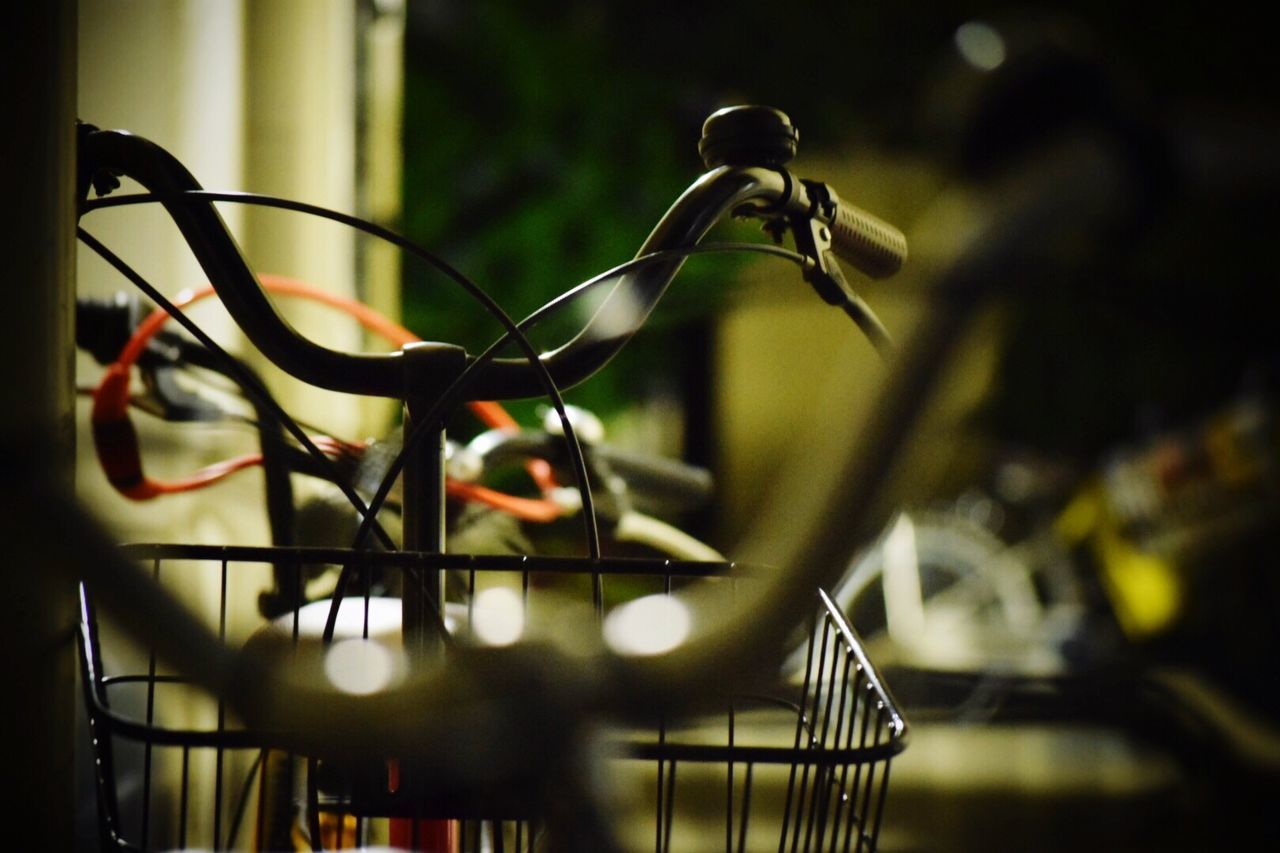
[(812, 237)]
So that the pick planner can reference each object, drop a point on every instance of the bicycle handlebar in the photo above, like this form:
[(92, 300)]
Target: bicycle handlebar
[(120, 152), (868, 243)]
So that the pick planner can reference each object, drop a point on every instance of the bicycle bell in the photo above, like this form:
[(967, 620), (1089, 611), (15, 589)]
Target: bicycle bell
[(749, 135)]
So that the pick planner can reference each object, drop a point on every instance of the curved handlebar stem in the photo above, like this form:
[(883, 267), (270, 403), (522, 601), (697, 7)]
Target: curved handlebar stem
[(632, 299), (216, 251)]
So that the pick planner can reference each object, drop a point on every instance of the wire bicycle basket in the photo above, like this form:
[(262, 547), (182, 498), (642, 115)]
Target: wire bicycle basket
[(804, 768)]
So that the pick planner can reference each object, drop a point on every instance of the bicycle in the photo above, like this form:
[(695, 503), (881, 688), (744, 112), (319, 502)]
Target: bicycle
[(746, 150)]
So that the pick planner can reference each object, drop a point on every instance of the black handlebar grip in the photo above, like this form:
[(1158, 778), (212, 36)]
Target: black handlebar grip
[(867, 242)]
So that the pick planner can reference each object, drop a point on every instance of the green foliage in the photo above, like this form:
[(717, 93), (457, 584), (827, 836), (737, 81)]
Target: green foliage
[(526, 166)]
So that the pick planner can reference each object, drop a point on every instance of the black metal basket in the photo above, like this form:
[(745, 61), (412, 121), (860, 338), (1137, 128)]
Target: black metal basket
[(804, 768)]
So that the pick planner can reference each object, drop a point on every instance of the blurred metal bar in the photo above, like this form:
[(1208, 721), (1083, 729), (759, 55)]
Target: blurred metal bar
[(36, 397)]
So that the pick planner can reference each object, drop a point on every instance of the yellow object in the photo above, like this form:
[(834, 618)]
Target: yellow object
[(1145, 590), (329, 833)]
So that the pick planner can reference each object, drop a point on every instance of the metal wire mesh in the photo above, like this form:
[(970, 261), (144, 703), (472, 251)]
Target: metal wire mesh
[(805, 768)]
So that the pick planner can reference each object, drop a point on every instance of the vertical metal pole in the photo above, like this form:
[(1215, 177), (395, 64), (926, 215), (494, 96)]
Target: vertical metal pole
[(36, 410), (429, 369)]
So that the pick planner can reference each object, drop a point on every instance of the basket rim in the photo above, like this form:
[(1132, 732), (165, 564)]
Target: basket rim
[(419, 559), (854, 644)]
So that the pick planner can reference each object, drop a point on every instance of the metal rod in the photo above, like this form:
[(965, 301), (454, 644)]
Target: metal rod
[(746, 808), (185, 797), (222, 718), (728, 818), (424, 496), (150, 717)]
